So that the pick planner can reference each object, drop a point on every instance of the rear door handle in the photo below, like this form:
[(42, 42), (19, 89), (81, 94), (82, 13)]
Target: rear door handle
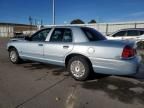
[(65, 47), (40, 44)]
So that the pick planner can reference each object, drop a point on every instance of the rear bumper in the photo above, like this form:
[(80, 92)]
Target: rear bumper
[(116, 67)]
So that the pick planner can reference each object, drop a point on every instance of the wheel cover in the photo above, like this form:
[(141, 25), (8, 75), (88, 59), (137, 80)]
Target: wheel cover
[(77, 68), (13, 56)]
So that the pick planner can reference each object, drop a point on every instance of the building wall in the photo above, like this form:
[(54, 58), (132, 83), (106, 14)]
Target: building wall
[(9, 30), (6, 31), (22, 28)]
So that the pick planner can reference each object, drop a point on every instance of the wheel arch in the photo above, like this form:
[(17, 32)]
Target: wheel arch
[(68, 57), (11, 47)]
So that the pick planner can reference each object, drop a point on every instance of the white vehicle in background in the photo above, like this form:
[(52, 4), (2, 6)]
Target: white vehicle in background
[(134, 34)]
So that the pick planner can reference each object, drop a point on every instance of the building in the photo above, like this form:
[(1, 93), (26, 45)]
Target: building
[(11, 29)]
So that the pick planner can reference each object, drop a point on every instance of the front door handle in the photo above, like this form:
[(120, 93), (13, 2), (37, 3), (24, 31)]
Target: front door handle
[(40, 44), (65, 47)]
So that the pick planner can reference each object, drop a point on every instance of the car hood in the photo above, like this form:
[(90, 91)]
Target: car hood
[(17, 39)]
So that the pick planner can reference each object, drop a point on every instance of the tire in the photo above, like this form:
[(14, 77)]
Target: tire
[(140, 45), (79, 68), (14, 56)]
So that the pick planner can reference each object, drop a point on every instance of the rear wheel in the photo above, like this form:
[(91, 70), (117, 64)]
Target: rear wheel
[(79, 68), (140, 45), (14, 56)]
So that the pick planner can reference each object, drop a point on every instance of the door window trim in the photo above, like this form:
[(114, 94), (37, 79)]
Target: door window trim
[(49, 38), (119, 32), (38, 33), (138, 33)]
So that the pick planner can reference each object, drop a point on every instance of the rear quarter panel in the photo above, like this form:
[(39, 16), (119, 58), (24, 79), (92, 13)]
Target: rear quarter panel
[(105, 57), (99, 49)]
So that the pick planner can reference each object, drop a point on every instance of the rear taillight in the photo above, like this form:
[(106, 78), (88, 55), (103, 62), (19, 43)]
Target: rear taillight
[(128, 52)]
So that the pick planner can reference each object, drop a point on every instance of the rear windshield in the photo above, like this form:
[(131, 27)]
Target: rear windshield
[(92, 34)]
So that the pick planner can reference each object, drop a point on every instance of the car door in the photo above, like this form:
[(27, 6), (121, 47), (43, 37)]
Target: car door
[(141, 37), (34, 47), (59, 45), (119, 35), (132, 35)]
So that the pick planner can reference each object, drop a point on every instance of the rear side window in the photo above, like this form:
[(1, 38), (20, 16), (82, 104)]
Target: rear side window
[(132, 33), (141, 32), (67, 36), (120, 34), (92, 34), (61, 35)]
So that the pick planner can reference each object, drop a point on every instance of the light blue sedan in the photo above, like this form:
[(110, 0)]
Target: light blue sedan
[(81, 50)]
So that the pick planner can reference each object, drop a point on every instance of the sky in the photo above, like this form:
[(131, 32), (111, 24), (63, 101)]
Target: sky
[(18, 11)]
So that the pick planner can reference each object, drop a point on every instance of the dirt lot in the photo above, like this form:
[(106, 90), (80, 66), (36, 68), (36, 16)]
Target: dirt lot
[(35, 85)]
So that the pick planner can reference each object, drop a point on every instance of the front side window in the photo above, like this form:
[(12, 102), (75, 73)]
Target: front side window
[(132, 33), (61, 35), (120, 34), (92, 34), (41, 35)]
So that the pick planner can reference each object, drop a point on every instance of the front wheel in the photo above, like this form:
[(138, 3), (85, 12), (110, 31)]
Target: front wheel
[(14, 56), (79, 68)]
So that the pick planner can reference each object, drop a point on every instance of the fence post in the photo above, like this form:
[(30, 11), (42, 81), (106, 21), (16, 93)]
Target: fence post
[(107, 29), (135, 25)]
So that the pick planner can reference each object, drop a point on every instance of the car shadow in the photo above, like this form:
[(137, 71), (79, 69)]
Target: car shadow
[(55, 70), (126, 89), (122, 90), (140, 74)]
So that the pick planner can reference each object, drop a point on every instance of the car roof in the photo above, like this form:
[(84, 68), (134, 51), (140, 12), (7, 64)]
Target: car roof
[(53, 26), (126, 29), (65, 26), (142, 29)]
